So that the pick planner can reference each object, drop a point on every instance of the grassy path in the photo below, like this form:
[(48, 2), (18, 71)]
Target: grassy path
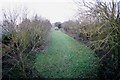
[(66, 58)]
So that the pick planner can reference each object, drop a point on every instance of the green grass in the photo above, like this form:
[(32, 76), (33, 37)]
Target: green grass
[(66, 58)]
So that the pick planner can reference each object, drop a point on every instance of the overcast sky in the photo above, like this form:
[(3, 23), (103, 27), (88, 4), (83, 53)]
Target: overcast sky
[(54, 10)]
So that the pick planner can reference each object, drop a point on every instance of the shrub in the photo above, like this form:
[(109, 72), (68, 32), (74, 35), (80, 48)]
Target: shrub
[(98, 26), (20, 44), (103, 30)]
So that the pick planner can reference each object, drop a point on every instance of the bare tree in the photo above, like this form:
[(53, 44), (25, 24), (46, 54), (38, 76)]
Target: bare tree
[(104, 34), (21, 41)]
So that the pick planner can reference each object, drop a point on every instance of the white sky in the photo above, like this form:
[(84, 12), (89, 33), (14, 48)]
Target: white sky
[(54, 10)]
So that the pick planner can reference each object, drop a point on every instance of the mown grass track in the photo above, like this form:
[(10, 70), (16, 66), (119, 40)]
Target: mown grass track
[(66, 58)]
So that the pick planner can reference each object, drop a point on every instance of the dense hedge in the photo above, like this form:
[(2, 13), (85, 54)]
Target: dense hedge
[(20, 44)]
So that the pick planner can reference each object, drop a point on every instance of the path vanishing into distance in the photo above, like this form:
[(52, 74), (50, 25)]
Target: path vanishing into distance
[(65, 57)]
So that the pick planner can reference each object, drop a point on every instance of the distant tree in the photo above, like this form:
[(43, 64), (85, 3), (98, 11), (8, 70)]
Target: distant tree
[(58, 24)]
